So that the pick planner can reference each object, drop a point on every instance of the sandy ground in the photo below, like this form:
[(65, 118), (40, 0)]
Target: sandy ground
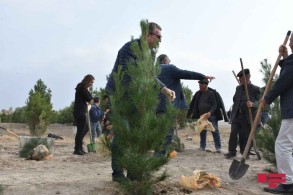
[(90, 174)]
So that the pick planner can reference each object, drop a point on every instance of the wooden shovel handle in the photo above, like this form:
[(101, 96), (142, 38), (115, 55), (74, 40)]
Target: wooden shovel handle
[(260, 107), (236, 77), (9, 131), (249, 111)]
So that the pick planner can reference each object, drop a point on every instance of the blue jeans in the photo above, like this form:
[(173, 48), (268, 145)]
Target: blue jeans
[(216, 134), (264, 117), (96, 130)]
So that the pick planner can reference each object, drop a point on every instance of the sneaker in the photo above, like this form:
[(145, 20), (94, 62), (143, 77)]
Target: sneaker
[(218, 150), (230, 155), (202, 149), (281, 189)]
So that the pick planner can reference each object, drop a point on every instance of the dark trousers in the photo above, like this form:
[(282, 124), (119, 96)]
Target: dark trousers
[(239, 127), (168, 139), (81, 131), (116, 153)]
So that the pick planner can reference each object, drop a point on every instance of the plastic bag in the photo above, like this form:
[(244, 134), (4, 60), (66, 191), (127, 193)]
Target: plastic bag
[(202, 124), (199, 180)]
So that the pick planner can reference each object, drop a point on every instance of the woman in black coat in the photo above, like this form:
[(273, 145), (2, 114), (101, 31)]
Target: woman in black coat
[(82, 98)]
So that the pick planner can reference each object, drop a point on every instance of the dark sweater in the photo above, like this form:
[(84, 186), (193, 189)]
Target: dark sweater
[(82, 96), (209, 104), (283, 87), (170, 75), (124, 57)]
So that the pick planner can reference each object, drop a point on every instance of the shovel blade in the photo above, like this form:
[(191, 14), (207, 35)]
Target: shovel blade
[(91, 148), (238, 169)]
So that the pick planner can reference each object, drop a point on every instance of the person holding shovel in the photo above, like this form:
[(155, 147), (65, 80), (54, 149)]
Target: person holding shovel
[(283, 87), (83, 97), (240, 122)]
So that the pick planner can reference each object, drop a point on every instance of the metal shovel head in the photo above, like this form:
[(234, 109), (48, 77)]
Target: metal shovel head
[(91, 148), (238, 169)]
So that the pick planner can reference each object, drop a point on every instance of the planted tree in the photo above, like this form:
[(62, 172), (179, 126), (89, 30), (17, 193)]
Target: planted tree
[(138, 130), (39, 108), (268, 133)]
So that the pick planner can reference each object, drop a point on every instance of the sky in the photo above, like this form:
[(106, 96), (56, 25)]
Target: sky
[(61, 41)]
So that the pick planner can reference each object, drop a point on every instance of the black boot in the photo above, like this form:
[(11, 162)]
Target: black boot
[(281, 189), (230, 155), (78, 152)]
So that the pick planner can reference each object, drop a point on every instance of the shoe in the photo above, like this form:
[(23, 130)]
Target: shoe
[(119, 179), (281, 189), (78, 152), (230, 155), (83, 151), (218, 150), (202, 149)]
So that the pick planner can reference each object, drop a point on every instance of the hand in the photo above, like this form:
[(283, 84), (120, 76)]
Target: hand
[(169, 93), (209, 78), (206, 115), (107, 110), (249, 104), (173, 95), (283, 51), (263, 102)]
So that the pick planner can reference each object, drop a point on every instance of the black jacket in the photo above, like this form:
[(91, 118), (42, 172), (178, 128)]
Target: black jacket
[(254, 95), (82, 96), (220, 111)]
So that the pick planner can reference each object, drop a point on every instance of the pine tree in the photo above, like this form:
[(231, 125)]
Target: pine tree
[(137, 127), (268, 134), (39, 108)]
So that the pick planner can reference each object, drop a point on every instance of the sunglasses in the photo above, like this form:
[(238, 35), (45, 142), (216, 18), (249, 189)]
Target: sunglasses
[(158, 36)]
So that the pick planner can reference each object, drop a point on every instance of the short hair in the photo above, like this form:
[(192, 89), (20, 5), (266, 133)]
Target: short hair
[(105, 97), (96, 99), (153, 26), (161, 58)]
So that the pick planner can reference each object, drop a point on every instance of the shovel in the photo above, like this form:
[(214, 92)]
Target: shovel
[(8, 131), (92, 146), (238, 169), (249, 110), (250, 113)]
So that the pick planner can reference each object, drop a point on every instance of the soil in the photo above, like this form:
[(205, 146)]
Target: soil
[(90, 174)]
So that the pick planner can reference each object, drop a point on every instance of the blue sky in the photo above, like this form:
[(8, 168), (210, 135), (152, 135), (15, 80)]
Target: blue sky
[(60, 41)]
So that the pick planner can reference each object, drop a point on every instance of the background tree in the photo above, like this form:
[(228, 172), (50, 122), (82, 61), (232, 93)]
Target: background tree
[(39, 108), (268, 134), (65, 116), (181, 117), (138, 130), (19, 115), (5, 118)]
